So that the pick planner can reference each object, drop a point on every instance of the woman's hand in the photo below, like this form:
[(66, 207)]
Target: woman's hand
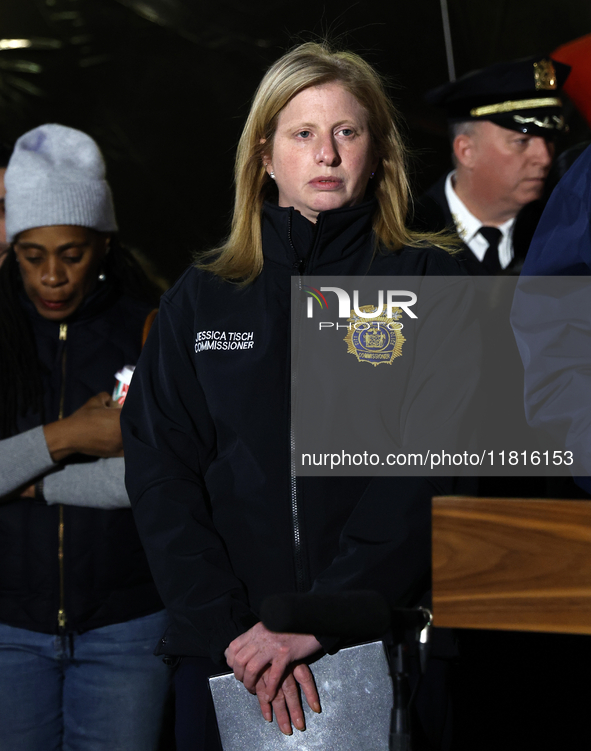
[(92, 429), (287, 704), (266, 663)]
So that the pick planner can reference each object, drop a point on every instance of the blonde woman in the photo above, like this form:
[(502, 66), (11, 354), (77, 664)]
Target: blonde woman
[(321, 188)]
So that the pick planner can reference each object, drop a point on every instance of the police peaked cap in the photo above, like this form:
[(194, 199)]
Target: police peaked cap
[(520, 95)]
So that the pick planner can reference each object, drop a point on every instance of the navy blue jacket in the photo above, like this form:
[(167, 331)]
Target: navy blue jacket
[(106, 574), (551, 318), (223, 520)]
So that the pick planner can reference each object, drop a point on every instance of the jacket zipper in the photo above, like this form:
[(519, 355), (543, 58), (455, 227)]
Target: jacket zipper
[(295, 515), (61, 613), (302, 577)]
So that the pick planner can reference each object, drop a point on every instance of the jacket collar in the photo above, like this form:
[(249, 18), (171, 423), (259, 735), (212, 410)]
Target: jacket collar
[(102, 296), (289, 239)]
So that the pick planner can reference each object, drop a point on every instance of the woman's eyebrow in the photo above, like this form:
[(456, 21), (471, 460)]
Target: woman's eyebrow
[(300, 124), (29, 245), (67, 246), (308, 124)]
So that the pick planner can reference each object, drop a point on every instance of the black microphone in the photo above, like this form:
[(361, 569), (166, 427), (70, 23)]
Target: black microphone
[(361, 615)]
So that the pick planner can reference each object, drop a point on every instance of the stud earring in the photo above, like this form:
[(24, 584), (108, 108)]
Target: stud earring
[(272, 175), (102, 277), (371, 176)]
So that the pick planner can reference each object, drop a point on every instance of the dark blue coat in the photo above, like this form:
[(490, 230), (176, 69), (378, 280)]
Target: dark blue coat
[(106, 574), (223, 518), (551, 318)]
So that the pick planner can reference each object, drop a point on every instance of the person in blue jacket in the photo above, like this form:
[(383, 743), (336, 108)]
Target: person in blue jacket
[(79, 611), (550, 318), (321, 188)]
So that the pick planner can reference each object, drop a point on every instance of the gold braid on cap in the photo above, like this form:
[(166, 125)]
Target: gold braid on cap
[(518, 104)]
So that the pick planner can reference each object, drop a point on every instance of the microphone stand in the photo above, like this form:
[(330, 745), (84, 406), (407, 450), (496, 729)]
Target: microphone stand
[(400, 738)]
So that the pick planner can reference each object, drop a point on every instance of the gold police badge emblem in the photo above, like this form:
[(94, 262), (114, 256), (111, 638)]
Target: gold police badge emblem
[(377, 339), (545, 76)]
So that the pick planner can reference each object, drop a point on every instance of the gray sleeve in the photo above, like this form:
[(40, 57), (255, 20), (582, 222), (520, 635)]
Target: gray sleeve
[(22, 458), (98, 484)]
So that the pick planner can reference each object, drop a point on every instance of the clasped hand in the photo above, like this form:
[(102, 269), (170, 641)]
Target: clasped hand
[(269, 666), (93, 429)]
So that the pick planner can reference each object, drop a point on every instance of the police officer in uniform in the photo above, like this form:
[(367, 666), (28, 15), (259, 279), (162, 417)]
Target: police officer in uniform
[(503, 121)]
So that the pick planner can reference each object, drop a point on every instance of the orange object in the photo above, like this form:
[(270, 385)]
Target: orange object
[(577, 54), (148, 324)]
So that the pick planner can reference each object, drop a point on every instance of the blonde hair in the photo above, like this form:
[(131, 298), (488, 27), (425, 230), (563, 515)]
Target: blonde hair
[(240, 257)]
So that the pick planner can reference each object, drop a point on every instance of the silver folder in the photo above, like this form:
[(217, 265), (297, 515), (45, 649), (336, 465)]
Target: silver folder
[(355, 695)]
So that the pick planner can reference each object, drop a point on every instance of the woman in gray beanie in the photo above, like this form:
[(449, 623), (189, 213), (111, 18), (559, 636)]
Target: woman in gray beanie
[(79, 612)]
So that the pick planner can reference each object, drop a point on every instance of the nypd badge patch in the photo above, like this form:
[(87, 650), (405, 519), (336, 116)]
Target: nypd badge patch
[(375, 339)]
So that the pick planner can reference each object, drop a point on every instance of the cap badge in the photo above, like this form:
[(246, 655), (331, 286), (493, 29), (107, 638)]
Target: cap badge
[(545, 75)]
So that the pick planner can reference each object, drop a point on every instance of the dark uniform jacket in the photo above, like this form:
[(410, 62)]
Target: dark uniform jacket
[(105, 577), (432, 214), (505, 389), (206, 430)]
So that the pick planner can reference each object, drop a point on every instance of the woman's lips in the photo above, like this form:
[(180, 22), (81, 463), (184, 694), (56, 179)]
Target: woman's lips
[(55, 304), (326, 183)]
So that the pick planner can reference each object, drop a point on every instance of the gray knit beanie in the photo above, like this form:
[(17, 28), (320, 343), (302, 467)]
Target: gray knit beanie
[(56, 175)]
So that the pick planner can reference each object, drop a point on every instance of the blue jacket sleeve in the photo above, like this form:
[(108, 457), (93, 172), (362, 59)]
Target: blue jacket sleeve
[(561, 245), (169, 441), (551, 318)]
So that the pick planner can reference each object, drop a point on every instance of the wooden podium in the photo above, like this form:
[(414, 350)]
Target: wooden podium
[(516, 564)]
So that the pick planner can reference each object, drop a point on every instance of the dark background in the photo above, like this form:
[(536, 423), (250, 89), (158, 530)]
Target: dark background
[(164, 86)]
